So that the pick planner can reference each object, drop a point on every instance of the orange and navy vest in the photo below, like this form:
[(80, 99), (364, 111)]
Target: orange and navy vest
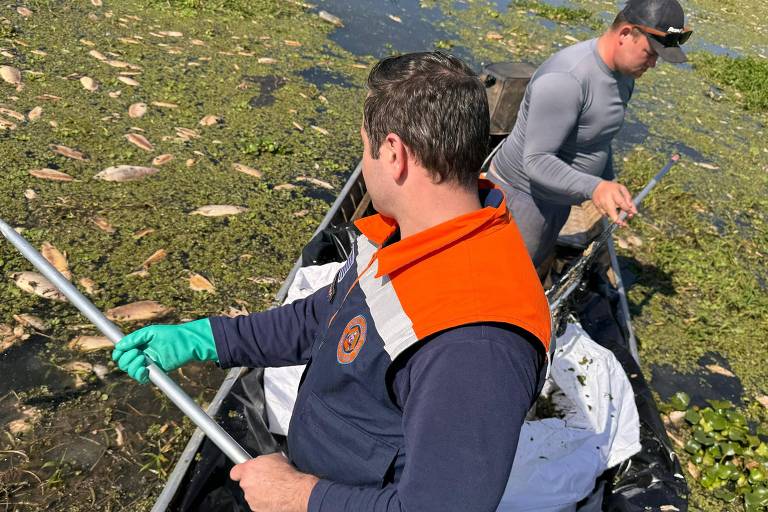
[(386, 299)]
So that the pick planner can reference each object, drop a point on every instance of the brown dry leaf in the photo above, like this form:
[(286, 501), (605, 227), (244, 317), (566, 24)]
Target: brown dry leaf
[(90, 343), (162, 159), (298, 126), (218, 210), (164, 104), (35, 113), (171, 33), (96, 54), (316, 182), (266, 60), (56, 258), (250, 171), (49, 97), (103, 224), (210, 120), (7, 125), (289, 42), (137, 110), (286, 186), (138, 311), (139, 273), (186, 133), (122, 173), (68, 152), (156, 257), (10, 75), (89, 285), (128, 80), (197, 42), (719, 370), (37, 284), (50, 174), (88, 83), (693, 470), (763, 400), (200, 284), (32, 321), (12, 113), (140, 141)]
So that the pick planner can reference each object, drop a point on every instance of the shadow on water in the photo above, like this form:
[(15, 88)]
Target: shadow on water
[(653, 281), (701, 385), (267, 85), (321, 77)]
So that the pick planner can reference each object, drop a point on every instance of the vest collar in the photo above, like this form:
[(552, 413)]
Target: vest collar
[(378, 229)]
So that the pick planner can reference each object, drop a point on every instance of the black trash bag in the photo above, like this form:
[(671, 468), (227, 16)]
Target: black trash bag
[(653, 477), (334, 243)]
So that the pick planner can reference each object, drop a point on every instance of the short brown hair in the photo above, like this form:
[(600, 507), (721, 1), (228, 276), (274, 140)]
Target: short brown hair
[(438, 107)]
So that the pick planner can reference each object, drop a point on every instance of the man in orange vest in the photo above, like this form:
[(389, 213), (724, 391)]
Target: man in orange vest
[(421, 363)]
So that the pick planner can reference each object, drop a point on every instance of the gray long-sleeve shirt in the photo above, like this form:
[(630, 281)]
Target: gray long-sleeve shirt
[(560, 147)]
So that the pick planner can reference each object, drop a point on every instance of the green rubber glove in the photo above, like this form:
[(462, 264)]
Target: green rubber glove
[(168, 346)]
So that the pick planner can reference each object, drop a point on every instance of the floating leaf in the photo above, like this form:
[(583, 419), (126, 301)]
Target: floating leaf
[(720, 404), (680, 401), (320, 130), (122, 173), (138, 311), (128, 80), (250, 171), (103, 224), (50, 174), (12, 113), (96, 54), (285, 186), (316, 182), (31, 321), (719, 370), (140, 141), (7, 125), (89, 285), (156, 257), (37, 284), (218, 210), (186, 133), (35, 113), (142, 233)]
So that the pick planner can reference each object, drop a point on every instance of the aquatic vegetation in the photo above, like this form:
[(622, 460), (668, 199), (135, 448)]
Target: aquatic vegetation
[(560, 14), (747, 75)]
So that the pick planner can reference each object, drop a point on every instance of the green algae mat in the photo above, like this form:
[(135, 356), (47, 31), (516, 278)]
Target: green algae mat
[(174, 157)]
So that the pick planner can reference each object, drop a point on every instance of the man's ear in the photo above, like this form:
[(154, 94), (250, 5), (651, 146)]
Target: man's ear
[(625, 31), (394, 154)]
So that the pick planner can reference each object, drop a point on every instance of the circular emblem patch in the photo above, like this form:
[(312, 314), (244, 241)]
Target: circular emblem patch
[(352, 340)]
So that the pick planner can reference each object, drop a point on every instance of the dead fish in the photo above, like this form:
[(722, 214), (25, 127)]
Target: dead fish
[(37, 284), (7, 125), (494, 36), (300, 213), (171, 33), (200, 284), (88, 83), (96, 3), (40, 53), (96, 54), (298, 126), (103, 224), (164, 104), (266, 60), (219, 210), (139, 273), (319, 130), (709, 167), (190, 162), (138, 311), (50, 97), (10, 74), (156, 257), (330, 18), (89, 285), (50, 174), (56, 258), (294, 44), (186, 133), (250, 171), (209, 120), (128, 40), (87, 42), (68, 152), (30, 194), (719, 370), (315, 181), (137, 110), (128, 81), (162, 159), (142, 233), (31, 321), (122, 173), (140, 141), (35, 113), (25, 424), (285, 186), (12, 113), (24, 11), (396, 19), (114, 94), (100, 371), (91, 343), (197, 42)]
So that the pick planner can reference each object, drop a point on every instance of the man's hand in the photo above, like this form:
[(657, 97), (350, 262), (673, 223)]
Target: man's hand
[(610, 198), (272, 484)]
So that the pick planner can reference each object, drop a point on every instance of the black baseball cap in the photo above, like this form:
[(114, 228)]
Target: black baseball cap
[(663, 21)]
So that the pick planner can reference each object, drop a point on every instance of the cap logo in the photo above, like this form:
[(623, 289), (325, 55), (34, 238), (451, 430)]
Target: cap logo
[(352, 340), (676, 30)]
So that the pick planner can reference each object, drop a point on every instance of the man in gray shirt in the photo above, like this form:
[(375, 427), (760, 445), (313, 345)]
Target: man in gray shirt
[(559, 152)]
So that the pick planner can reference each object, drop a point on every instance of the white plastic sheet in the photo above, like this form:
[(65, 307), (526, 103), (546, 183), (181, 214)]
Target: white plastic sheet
[(558, 459)]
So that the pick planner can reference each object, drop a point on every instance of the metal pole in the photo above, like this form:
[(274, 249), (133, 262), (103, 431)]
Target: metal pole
[(213, 430)]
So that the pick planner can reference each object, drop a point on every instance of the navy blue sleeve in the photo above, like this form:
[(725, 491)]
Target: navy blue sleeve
[(464, 396), (277, 337)]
